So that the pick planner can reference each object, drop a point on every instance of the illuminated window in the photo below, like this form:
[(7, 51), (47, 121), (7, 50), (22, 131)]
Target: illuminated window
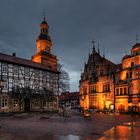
[(106, 88), (15, 103)]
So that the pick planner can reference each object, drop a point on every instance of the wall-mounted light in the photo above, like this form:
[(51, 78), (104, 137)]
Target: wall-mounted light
[(130, 104)]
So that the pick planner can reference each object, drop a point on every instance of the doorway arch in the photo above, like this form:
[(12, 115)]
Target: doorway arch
[(121, 108), (26, 104)]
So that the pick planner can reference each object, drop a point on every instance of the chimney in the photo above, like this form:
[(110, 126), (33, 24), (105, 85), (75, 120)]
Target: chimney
[(14, 54)]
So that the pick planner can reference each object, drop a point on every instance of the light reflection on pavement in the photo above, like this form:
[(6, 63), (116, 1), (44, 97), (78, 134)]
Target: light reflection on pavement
[(44, 127), (69, 137), (127, 131)]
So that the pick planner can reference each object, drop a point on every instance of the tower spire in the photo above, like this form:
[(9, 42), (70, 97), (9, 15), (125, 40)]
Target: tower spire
[(44, 16), (43, 48), (136, 38), (93, 50), (98, 48), (104, 53), (89, 53)]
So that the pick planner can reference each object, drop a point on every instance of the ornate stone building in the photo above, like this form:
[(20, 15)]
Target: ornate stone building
[(36, 74), (104, 84), (96, 84), (128, 83)]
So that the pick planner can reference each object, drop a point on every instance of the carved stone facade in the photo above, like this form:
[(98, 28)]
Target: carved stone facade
[(102, 79), (96, 84), (128, 84)]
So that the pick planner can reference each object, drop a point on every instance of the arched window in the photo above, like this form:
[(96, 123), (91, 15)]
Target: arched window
[(130, 74)]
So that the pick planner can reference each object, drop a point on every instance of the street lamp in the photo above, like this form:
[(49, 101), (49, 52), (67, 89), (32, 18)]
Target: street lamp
[(130, 103), (1, 85), (83, 97), (114, 82)]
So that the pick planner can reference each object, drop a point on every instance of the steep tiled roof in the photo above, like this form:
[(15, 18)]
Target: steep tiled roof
[(68, 96), (24, 62)]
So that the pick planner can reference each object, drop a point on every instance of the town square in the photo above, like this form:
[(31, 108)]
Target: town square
[(69, 70)]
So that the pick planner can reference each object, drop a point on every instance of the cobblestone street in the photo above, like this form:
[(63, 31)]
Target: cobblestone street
[(47, 127), (128, 131)]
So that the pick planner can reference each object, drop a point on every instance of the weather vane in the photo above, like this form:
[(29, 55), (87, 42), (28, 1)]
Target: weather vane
[(93, 42), (44, 16)]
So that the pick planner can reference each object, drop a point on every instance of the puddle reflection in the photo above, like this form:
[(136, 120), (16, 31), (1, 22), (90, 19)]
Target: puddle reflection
[(69, 137)]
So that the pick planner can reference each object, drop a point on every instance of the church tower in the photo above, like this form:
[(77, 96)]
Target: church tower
[(43, 48)]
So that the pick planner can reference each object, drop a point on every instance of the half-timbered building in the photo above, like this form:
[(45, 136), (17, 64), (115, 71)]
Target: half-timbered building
[(36, 74)]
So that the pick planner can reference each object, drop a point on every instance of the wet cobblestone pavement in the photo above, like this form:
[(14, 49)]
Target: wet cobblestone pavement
[(126, 131), (45, 127)]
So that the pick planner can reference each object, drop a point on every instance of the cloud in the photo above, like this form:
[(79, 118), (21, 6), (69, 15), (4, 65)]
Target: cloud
[(74, 76), (73, 25)]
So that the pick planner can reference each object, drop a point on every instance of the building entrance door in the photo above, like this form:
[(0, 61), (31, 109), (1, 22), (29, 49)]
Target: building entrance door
[(121, 108), (135, 109), (26, 104)]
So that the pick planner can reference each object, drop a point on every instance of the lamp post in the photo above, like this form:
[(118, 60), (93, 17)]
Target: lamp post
[(114, 82)]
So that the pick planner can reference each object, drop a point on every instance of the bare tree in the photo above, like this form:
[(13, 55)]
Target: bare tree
[(43, 95), (21, 93), (46, 95), (64, 79)]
